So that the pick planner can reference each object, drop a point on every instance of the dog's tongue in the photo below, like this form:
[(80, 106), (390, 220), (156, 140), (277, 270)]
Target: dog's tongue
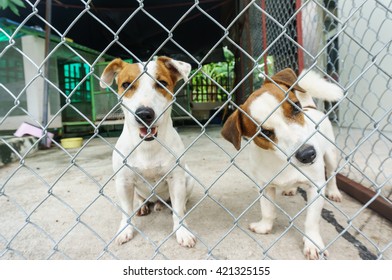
[(145, 132)]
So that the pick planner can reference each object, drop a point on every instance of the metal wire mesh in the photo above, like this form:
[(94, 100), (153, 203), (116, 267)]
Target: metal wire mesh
[(61, 204)]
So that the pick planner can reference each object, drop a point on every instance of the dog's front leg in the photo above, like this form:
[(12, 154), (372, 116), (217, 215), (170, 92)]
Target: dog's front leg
[(125, 193), (268, 214), (331, 163), (178, 197), (313, 241)]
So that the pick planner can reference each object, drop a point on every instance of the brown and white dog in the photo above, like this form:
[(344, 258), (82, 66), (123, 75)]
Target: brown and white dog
[(146, 156), (292, 144)]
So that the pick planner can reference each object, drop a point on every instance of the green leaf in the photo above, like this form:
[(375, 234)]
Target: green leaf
[(3, 4), (19, 3), (13, 8), (13, 5)]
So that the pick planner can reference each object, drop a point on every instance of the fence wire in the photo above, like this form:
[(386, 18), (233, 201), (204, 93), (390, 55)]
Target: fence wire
[(60, 203)]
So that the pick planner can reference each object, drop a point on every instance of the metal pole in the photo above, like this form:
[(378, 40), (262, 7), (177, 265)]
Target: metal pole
[(298, 4), (264, 31), (48, 17)]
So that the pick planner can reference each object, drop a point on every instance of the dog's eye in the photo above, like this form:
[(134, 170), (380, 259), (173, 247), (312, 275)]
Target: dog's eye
[(297, 108), (161, 84), (266, 133), (126, 85)]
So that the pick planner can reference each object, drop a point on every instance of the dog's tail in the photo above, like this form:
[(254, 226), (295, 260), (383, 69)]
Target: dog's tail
[(316, 86)]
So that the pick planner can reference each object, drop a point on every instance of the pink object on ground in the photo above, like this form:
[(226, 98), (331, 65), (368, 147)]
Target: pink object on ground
[(29, 129)]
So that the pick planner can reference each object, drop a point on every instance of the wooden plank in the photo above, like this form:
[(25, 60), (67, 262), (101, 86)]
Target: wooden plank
[(380, 205)]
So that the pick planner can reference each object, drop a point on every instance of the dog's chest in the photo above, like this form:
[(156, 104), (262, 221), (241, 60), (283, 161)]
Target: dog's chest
[(150, 180), (152, 174), (269, 168)]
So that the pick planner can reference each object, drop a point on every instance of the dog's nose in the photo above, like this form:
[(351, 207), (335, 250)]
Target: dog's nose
[(306, 154), (145, 115)]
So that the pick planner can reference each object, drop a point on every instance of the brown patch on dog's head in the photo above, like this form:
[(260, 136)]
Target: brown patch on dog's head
[(243, 123), (288, 99), (240, 124), (110, 72), (286, 77), (232, 129), (167, 73), (125, 74), (178, 70)]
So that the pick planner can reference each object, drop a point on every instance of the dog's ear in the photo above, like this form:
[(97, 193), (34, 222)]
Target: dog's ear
[(286, 77), (180, 69), (232, 130), (110, 72)]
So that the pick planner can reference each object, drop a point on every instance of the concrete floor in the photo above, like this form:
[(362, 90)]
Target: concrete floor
[(58, 207)]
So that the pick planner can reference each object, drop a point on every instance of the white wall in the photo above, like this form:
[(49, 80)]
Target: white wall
[(34, 49), (365, 63)]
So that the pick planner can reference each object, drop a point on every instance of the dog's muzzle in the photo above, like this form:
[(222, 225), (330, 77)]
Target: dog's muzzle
[(145, 116), (306, 154)]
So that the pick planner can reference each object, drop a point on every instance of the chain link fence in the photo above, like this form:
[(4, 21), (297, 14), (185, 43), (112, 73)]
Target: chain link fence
[(58, 203)]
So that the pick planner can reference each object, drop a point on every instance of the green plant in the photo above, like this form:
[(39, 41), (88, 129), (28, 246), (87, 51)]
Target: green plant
[(204, 82), (259, 73), (13, 5)]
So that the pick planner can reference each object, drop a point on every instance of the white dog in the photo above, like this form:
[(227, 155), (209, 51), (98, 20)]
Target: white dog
[(292, 145), (147, 152)]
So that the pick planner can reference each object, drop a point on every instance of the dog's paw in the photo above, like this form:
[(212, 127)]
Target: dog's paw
[(158, 206), (262, 227), (144, 210), (185, 238), (311, 251), (335, 196), (290, 192), (125, 235)]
